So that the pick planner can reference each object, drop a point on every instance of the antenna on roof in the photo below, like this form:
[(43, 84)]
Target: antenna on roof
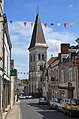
[(37, 10)]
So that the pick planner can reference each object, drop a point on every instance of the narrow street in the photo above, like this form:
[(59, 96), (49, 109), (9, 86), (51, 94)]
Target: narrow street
[(30, 109)]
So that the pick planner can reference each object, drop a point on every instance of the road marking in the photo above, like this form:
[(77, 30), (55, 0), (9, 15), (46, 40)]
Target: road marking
[(38, 109), (46, 110), (19, 113)]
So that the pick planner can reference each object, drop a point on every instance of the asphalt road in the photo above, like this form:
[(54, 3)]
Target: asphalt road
[(30, 109)]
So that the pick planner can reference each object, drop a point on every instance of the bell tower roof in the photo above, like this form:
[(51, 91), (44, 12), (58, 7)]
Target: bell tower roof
[(37, 38)]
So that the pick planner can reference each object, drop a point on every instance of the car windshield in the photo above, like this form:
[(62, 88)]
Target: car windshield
[(42, 98), (59, 100), (75, 102), (56, 100)]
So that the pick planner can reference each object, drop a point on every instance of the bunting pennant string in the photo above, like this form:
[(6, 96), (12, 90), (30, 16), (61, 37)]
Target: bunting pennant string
[(31, 24), (58, 24), (71, 23), (11, 21), (22, 73), (25, 23), (65, 24), (45, 24), (38, 24), (52, 24), (77, 22)]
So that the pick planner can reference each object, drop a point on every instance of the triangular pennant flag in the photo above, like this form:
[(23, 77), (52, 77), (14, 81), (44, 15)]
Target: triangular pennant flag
[(45, 24), (31, 24), (17, 23), (77, 22), (25, 23), (52, 24), (65, 24), (38, 24), (58, 24), (71, 23), (11, 21)]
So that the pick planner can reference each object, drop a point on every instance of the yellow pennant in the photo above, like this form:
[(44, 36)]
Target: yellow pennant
[(31, 24), (71, 23)]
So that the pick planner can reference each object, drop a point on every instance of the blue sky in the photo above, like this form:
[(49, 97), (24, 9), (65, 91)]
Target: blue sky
[(50, 11)]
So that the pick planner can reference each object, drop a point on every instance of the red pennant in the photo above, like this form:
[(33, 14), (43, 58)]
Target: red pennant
[(65, 24), (25, 23), (45, 24)]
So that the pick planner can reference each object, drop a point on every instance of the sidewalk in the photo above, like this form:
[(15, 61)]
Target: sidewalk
[(14, 112)]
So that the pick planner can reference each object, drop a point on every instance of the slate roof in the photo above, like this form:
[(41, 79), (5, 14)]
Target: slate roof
[(37, 35)]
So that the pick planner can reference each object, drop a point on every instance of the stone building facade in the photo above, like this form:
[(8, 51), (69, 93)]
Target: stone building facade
[(62, 74), (5, 58)]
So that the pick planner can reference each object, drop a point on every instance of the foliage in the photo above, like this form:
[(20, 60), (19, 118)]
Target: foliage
[(25, 81)]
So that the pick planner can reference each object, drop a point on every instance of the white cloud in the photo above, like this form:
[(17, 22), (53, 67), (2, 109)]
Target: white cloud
[(21, 36)]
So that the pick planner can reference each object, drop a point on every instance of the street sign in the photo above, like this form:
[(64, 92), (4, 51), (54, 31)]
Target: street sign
[(13, 72)]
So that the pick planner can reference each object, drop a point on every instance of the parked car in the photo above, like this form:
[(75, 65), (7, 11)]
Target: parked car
[(43, 101), (27, 97), (61, 104), (30, 97), (54, 103), (22, 97), (72, 107)]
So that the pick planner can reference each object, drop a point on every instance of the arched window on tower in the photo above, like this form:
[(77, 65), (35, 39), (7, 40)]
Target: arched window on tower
[(39, 57), (41, 67), (34, 57), (41, 79), (30, 58), (42, 56)]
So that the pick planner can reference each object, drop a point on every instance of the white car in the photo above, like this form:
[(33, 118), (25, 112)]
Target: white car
[(61, 105), (30, 97), (43, 101), (22, 97), (54, 103)]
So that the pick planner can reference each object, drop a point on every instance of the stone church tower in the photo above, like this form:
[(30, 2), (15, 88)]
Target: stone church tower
[(37, 58)]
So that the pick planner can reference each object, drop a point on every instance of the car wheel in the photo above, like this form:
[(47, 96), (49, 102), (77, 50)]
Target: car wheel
[(70, 114), (64, 111), (52, 106), (57, 109)]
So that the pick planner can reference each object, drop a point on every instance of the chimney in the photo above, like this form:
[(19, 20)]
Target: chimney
[(64, 48)]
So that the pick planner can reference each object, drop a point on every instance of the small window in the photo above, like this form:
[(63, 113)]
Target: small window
[(41, 67), (42, 56), (41, 79), (30, 58), (34, 57), (39, 57)]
